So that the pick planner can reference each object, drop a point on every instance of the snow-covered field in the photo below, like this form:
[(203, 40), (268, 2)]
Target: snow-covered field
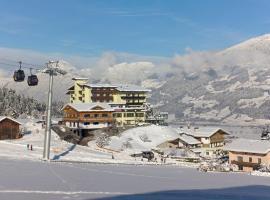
[(39, 180), (66, 152), (60, 150), (25, 176)]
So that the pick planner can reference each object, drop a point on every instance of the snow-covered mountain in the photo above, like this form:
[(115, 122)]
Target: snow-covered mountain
[(232, 86)]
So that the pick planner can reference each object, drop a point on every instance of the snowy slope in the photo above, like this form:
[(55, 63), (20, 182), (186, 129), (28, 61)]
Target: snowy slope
[(142, 138), (64, 151)]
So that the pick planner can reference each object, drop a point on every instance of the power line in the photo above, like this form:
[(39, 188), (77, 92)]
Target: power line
[(33, 66)]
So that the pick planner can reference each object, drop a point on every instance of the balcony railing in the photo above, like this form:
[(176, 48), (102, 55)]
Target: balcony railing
[(133, 97), (245, 164)]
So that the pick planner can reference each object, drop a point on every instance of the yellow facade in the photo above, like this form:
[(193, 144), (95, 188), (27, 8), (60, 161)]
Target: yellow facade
[(81, 93), (117, 98), (129, 118)]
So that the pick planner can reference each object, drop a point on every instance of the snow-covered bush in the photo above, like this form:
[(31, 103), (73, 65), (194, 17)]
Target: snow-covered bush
[(103, 140), (144, 138), (127, 144)]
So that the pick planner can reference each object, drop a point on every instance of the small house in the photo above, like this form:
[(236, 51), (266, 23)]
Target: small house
[(9, 128), (210, 137), (248, 154), (183, 141)]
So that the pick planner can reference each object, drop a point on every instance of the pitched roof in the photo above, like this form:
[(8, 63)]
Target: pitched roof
[(119, 87), (249, 146), (201, 132), (6, 117), (189, 139), (81, 107), (100, 85), (133, 88)]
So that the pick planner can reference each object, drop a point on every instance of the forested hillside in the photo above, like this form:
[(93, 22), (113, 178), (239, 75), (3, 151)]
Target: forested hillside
[(16, 105)]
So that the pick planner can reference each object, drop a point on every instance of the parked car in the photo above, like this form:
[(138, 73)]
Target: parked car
[(148, 154)]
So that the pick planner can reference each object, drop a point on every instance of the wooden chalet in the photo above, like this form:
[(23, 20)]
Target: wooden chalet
[(9, 128)]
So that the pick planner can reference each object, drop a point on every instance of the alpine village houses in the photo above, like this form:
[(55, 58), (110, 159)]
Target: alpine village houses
[(95, 106)]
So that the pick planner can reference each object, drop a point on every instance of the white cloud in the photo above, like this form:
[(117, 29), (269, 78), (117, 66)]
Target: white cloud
[(131, 68), (128, 72)]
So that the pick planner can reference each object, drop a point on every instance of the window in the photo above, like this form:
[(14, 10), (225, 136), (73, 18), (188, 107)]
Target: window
[(239, 158), (250, 159), (130, 114), (104, 115), (259, 160), (96, 115), (117, 114), (139, 114), (240, 167), (87, 116), (86, 123), (95, 123)]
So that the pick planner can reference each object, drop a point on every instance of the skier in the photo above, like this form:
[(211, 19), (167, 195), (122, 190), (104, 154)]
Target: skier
[(31, 147), (27, 146)]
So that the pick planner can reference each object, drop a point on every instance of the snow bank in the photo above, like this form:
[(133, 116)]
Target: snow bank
[(142, 138)]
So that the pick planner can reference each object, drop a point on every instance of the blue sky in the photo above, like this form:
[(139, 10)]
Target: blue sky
[(143, 27)]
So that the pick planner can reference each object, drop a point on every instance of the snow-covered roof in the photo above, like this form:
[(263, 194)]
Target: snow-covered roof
[(100, 85), (6, 117), (79, 78), (121, 88), (81, 107), (132, 88), (201, 132), (189, 139), (249, 146)]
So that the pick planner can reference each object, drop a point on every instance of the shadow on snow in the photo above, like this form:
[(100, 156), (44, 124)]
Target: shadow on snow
[(56, 157), (256, 192)]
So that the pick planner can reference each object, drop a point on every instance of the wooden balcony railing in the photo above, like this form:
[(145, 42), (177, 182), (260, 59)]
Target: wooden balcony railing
[(245, 164)]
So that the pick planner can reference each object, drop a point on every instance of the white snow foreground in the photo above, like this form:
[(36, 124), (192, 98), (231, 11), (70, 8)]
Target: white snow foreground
[(60, 150), (67, 152)]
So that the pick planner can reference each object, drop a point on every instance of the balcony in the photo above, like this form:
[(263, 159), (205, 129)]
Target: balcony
[(98, 119), (133, 97), (245, 164)]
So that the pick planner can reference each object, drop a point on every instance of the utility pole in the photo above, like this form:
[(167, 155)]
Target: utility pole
[(52, 69)]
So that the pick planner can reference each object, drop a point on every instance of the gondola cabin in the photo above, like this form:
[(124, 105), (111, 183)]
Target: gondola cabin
[(19, 75), (9, 128), (32, 80)]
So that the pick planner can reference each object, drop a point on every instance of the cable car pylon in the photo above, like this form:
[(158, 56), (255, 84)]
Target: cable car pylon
[(53, 70)]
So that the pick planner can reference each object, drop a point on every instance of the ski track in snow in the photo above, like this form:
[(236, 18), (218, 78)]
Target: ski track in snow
[(123, 174), (60, 178)]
